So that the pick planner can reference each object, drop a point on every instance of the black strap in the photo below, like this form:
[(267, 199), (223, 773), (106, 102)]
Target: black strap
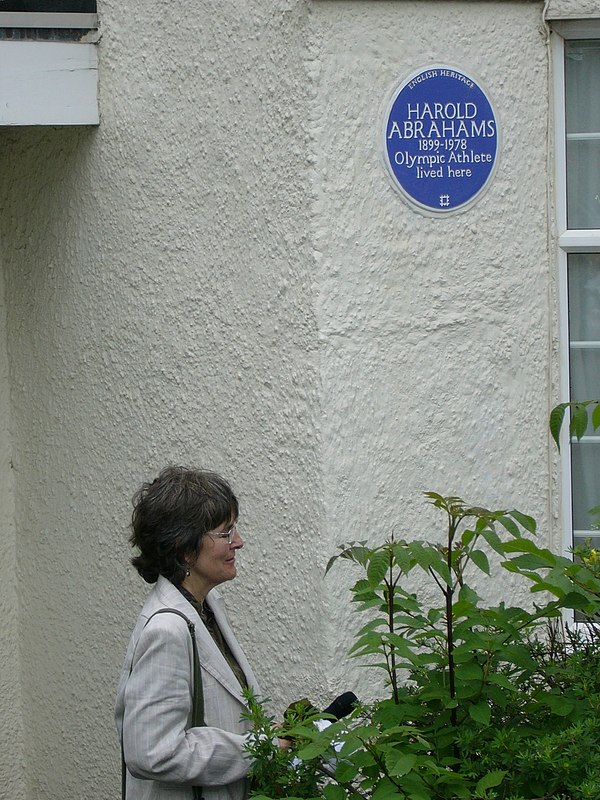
[(197, 702)]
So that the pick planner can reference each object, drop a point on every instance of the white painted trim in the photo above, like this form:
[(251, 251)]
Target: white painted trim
[(29, 19), (574, 241), (565, 448), (558, 67), (583, 137), (48, 83)]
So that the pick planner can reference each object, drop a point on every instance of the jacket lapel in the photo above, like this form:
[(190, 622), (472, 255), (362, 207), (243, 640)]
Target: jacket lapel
[(218, 608), (211, 658)]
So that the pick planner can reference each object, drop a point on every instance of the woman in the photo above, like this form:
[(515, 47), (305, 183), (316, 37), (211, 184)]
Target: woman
[(184, 524)]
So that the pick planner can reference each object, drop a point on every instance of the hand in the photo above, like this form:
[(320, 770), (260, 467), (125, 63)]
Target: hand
[(284, 744), (281, 741)]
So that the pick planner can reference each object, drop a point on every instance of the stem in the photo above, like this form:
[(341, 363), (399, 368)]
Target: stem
[(345, 785), (376, 754), (390, 586), (448, 593), (437, 580)]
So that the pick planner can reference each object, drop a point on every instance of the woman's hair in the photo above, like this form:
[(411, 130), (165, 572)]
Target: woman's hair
[(171, 516)]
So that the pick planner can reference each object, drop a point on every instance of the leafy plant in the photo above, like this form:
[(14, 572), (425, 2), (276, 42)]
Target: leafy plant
[(472, 689), (276, 772), (579, 421)]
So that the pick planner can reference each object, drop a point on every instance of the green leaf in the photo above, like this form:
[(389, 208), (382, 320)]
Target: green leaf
[(580, 602), (481, 713), (471, 671), (330, 563), (429, 558), (385, 790), (524, 520), (333, 792), (352, 552), (528, 546), (510, 525), (479, 558), (556, 420), (436, 499), (468, 595), (502, 680), (558, 704), (345, 771), (378, 566), (579, 420), (520, 656), (529, 561), (372, 625), (494, 541), (352, 743), (399, 763), (401, 556), (312, 750), (462, 608), (467, 537), (545, 586), (490, 780), (596, 416)]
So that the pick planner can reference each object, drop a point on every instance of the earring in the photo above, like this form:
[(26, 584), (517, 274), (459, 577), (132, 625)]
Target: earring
[(187, 570)]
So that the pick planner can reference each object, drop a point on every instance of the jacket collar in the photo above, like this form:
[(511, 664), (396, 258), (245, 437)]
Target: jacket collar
[(166, 595)]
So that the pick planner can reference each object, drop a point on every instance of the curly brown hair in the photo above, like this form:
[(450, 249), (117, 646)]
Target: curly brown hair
[(171, 515)]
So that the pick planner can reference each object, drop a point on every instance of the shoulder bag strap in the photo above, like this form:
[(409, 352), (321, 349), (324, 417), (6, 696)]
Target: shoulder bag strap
[(197, 702)]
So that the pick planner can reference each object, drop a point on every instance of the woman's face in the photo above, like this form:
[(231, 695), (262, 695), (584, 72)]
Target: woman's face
[(215, 563)]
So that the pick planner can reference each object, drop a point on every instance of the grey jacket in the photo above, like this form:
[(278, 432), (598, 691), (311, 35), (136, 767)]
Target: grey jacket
[(165, 757)]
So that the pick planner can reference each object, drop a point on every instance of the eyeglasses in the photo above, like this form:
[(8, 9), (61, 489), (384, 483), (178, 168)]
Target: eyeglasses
[(229, 535)]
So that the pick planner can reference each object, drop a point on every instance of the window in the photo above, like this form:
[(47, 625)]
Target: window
[(577, 65), (583, 271)]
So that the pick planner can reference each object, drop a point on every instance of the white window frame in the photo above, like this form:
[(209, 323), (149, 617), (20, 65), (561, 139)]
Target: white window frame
[(569, 240)]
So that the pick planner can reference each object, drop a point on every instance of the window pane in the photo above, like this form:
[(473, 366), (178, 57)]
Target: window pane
[(585, 377), (583, 184), (594, 540), (584, 296), (582, 74), (584, 335), (585, 458), (582, 77)]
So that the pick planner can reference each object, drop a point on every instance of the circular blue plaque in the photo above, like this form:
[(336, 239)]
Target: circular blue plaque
[(441, 140)]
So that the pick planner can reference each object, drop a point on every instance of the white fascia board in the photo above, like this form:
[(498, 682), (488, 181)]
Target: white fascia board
[(31, 19), (48, 83)]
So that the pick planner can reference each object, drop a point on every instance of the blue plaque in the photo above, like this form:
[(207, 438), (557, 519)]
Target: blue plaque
[(441, 140)]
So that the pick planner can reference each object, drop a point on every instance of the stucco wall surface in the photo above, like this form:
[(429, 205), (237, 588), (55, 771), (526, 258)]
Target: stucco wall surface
[(12, 763), (159, 292), (221, 274), (434, 333), (572, 9)]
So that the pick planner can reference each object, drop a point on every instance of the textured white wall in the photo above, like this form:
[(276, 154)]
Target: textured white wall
[(572, 9), (160, 308), (435, 333), (221, 274), (12, 763)]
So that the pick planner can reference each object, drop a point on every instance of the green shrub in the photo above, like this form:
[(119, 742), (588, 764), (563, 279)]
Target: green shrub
[(484, 702)]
